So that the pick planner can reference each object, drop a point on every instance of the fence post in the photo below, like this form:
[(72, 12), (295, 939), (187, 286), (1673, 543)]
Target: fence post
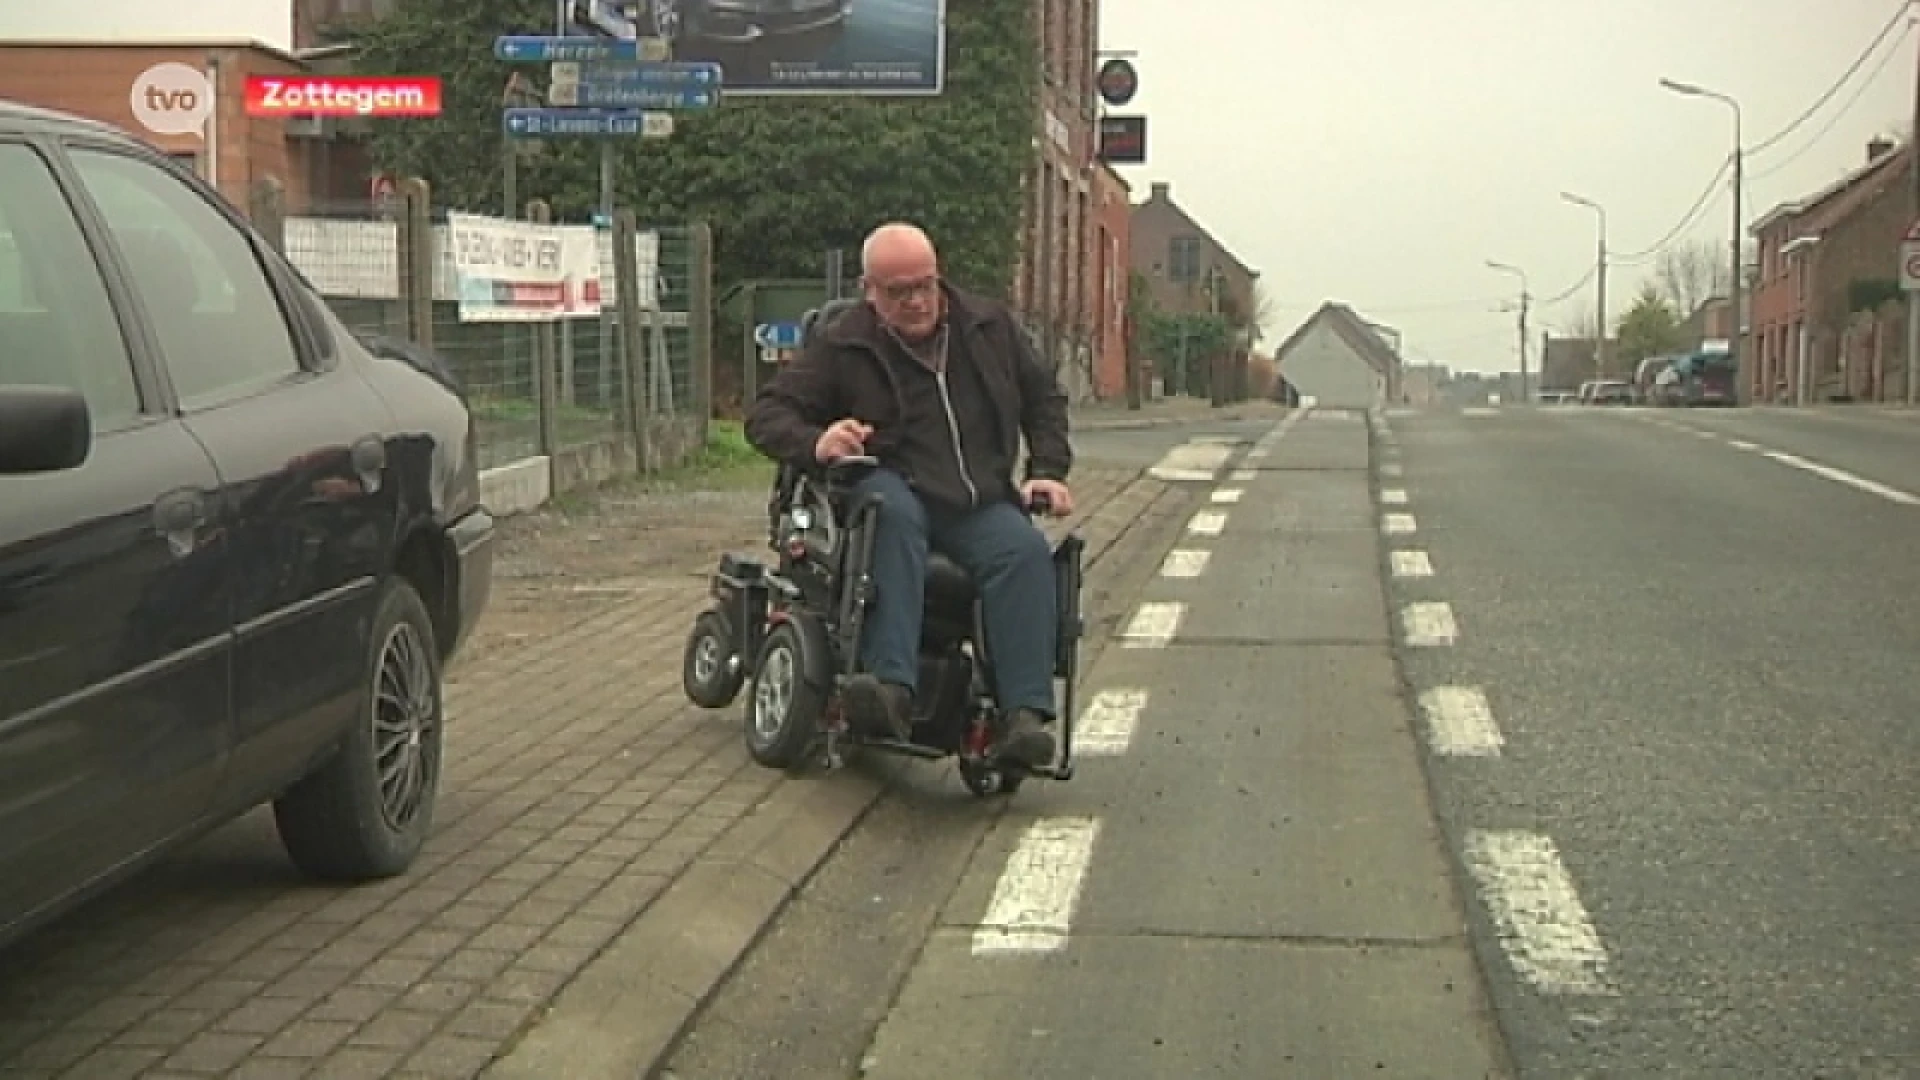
[(546, 395), (415, 235), (267, 208), (633, 343), (700, 329)]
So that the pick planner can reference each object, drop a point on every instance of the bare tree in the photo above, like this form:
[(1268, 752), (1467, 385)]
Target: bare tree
[(1264, 308), (1580, 322), (1689, 274)]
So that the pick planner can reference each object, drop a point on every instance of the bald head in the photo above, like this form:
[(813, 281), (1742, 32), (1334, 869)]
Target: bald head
[(902, 276), (894, 245)]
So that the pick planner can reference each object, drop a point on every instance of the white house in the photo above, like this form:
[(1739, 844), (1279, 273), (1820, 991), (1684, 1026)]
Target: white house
[(1339, 360)]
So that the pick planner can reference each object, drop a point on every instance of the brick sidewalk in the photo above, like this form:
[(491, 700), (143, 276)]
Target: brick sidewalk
[(1111, 416), (579, 784)]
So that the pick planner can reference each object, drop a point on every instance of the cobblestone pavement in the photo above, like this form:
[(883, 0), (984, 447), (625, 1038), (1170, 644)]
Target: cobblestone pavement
[(578, 785), (1114, 415)]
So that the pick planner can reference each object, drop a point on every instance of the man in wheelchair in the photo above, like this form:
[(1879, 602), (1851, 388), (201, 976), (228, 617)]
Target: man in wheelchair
[(938, 385)]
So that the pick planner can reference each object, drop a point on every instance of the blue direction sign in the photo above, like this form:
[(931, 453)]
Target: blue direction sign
[(685, 76), (633, 95), (533, 49), (777, 335), (548, 123)]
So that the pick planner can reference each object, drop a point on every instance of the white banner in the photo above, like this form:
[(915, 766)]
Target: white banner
[(507, 271), (497, 270)]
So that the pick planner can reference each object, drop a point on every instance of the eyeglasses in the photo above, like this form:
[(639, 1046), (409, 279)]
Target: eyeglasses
[(901, 291)]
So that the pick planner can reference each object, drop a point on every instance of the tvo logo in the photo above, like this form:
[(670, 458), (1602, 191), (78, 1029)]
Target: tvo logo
[(172, 99)]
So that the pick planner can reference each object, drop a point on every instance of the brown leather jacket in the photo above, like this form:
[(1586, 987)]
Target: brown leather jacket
[(844, 372)]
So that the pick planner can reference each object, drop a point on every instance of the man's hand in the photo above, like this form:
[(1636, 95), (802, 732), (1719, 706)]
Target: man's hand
[(845, 438), (1055, 492)]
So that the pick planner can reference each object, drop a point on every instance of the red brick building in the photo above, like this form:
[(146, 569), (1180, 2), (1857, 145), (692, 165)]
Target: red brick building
[(1056, 286), (1178, 257), (311, 160), (1109, 261), (1816, 255)]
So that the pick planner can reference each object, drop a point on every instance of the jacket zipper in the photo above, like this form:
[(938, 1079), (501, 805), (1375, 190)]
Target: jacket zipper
[(953, 430)]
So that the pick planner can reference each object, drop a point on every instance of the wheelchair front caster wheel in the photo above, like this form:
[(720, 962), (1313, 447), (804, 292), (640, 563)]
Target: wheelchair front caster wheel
[(983, 779), (711, 672)]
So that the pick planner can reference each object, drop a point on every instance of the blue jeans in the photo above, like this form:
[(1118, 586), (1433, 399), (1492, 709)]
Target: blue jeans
[(1012, 565)]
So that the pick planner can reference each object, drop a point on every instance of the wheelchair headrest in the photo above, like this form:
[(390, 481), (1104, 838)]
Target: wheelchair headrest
[(818, 319)]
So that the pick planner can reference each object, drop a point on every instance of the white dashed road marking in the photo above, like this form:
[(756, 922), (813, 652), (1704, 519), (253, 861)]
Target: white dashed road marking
[(1398, 524), (1207, 523), (1032, 906), (1107, 723), (1532, 900), (1194, 462), (1182, 563), (1429, 624), (1393, 496), (1391, 468), (1241, 476), (1410, 564), (1153, 625), (1460, 722), (1227, 495), (1840, 476), (1741, 444)]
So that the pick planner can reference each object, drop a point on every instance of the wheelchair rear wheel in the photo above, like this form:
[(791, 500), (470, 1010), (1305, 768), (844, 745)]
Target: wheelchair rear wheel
[(784, 710)]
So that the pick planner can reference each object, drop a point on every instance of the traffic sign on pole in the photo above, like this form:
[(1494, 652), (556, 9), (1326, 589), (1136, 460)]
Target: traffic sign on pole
[(632, 95), (603, 123), (777, 335), (539, 49), (664, 76)]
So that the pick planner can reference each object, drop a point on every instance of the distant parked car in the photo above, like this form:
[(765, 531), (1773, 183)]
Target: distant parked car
[(236, 544), (1607, 392)]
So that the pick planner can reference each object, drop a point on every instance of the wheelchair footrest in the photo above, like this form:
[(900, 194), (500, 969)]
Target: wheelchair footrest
[(898, 746)]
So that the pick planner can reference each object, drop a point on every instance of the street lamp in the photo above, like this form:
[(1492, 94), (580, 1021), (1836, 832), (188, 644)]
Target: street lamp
[(1600, 346), (1734, 285), (1799, 250), (1526, 296)]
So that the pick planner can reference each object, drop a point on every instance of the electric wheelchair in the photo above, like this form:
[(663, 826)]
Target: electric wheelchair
[(791, 627)]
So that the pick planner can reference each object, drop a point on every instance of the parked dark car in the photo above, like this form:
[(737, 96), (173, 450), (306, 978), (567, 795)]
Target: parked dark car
[(236, 544)]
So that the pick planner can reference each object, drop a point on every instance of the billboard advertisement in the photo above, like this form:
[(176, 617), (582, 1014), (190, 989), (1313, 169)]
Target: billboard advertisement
[(881, 48)]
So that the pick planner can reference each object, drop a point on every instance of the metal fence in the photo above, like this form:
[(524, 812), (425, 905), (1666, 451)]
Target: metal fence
[(626, 390)]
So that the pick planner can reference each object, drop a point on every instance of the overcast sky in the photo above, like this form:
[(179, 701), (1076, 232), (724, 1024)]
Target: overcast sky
[(1379, 152)]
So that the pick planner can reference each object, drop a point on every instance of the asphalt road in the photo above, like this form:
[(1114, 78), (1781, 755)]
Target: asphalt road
[(1245, 879), (1670, 710)]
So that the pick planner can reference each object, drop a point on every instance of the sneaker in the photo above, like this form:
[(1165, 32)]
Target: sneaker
[(877, 706), (1027, 741)]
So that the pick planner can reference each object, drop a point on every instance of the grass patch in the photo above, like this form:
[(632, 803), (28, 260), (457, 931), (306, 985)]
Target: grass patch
[(726, 463)]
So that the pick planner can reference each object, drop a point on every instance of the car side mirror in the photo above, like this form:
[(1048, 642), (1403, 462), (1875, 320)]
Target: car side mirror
[(43, 429)]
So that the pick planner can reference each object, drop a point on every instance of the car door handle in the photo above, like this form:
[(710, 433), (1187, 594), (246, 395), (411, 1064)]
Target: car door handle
[(177, 517), (369, 456)]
